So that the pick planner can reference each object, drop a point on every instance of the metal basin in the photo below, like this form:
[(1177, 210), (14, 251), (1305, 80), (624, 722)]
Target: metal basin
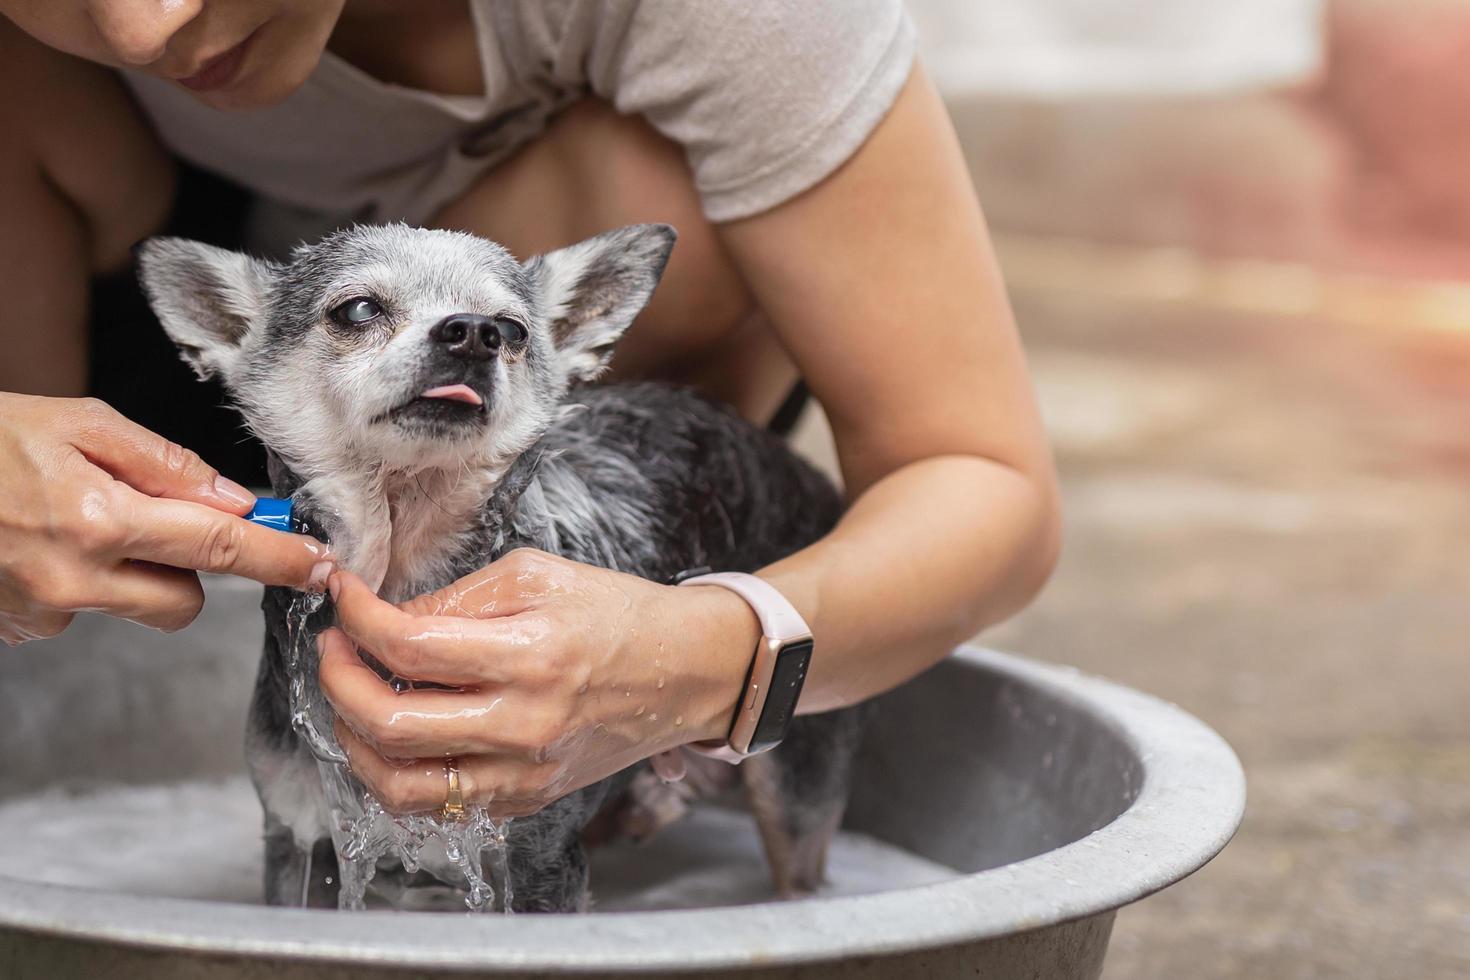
[(1056, 798)]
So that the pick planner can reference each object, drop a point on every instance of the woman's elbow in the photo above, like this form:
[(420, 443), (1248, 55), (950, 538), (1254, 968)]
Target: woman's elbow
[(1037, 550), (1046, 552)]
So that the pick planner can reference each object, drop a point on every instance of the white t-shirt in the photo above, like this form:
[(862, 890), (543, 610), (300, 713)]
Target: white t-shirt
[(767, 97)]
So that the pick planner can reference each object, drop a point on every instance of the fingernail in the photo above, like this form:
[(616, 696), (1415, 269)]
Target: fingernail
[(230, 491), (317, 581), (335, 585)]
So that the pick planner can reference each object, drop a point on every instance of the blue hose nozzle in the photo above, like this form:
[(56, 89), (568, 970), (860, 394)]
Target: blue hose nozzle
[(275, 513)]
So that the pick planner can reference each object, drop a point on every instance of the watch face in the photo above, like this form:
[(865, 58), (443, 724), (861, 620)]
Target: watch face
[(786, 680)]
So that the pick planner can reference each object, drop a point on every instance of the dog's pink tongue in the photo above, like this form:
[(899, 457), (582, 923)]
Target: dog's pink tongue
[(455, 393)]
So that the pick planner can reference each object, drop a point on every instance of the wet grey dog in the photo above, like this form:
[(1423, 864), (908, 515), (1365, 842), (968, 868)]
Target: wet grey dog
[(424, 395)]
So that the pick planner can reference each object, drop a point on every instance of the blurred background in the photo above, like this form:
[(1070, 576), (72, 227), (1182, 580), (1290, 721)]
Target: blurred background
[(1237, 236)]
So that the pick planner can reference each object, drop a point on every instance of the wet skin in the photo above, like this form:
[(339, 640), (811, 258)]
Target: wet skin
[(121, 519), (525, 728)]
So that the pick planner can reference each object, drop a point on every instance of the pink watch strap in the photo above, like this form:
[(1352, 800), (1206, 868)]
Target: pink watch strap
[(779, 619), (780, 624)]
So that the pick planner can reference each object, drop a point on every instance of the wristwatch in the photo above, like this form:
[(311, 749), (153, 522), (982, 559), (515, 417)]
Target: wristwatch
[(777, 668)]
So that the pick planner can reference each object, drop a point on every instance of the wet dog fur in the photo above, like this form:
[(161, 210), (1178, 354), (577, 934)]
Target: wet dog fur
[(644, 478)]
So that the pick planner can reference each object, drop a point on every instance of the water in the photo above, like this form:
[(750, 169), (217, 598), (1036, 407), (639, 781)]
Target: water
[(363, 833), (200, 840), (311, 716)]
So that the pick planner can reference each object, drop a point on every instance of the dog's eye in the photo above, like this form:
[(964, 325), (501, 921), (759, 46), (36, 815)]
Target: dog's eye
[(357, 311), (513, 333)]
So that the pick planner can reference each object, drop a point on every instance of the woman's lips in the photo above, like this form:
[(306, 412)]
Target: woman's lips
[(219, 71)]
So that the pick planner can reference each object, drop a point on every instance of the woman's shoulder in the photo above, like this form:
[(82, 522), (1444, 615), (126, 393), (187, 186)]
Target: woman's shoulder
[(767, 97)]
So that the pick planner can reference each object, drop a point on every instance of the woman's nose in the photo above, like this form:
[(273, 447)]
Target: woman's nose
[(138, 31)]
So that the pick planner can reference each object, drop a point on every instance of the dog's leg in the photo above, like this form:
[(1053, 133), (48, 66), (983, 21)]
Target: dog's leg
[(798, 792), (548, 865), (649, 804), (297, 876), (550, 881), (299, 857)]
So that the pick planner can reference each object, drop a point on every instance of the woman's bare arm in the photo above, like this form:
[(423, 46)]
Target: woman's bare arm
[(882, 284)]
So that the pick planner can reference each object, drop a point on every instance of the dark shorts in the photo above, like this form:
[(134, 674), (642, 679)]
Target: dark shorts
[(135, 367)]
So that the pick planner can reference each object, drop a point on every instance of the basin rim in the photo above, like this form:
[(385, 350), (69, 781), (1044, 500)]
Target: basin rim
[(1191, 801)]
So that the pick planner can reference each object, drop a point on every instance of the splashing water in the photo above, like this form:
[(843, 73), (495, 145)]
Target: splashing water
[(362, 831), (310, 713)]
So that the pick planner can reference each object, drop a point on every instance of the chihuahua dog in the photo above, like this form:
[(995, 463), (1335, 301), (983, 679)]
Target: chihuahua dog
[(425, 395)]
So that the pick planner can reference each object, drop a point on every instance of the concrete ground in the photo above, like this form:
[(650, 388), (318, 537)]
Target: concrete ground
[(1268, 524)]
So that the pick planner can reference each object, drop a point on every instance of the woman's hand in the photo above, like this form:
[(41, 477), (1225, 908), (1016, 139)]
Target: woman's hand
[(564, 674), (99, 514)]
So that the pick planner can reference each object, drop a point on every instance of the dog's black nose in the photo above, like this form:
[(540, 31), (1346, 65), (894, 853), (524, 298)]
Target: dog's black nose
[(467, 335)]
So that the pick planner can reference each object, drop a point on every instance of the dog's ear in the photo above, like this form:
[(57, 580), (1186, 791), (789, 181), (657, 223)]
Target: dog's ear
[(207, 298), (591, 291)]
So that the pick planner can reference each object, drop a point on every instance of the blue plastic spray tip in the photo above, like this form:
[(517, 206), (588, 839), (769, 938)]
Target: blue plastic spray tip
[(272, 512)]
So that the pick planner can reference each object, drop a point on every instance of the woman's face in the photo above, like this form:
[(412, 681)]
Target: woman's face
[(231, 54)]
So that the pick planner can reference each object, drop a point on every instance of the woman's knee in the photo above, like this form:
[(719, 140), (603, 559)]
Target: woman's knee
[(72, 132), (593, 170)]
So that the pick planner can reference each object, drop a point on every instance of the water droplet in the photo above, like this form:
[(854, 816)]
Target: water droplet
[(678, 719), (660, 683)]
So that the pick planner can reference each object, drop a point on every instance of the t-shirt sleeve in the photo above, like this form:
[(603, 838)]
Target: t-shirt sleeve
[(767, 97)]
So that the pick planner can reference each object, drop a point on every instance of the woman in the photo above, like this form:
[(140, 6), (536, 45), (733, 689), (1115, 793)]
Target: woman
[(828, 231)]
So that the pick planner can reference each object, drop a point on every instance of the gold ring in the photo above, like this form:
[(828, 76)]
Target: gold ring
[(453, 801)]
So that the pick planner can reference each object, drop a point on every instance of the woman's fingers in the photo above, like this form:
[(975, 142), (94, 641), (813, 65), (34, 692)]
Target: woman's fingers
[(403, 787), (505, 788), (503, 588), (445, 649), (183, 534), (163, 598), (150, 463), (83, 491), (15, 630), (670, 766), (384, 629), (417, 722)]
